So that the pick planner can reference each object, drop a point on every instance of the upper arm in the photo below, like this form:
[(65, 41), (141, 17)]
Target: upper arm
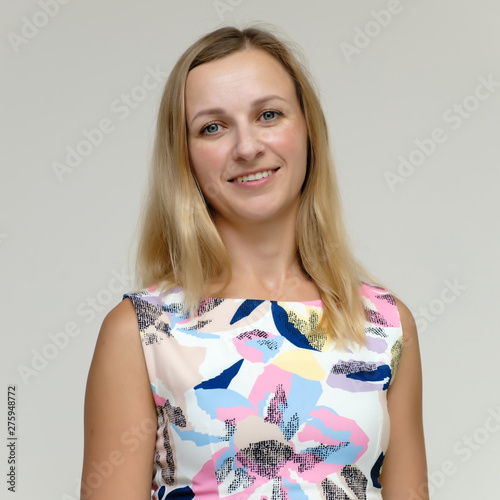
[(120, 414), (405, 466)]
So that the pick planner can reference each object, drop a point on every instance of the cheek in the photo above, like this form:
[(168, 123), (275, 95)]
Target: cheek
[(206, 159), (300, 145), (207, 164), (292, 148), (292, 144)]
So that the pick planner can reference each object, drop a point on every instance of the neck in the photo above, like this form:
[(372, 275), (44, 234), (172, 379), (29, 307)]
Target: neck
[(264, 260)]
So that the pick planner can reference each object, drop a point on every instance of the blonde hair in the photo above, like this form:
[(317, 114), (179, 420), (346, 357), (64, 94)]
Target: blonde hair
[(178, 242)]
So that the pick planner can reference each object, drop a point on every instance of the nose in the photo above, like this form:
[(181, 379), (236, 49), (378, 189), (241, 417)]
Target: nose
[(248, 143)]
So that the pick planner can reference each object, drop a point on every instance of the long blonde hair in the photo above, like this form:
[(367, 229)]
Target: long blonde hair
[(178, 242)]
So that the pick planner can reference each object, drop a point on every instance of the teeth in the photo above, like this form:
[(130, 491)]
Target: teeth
[(254, 177)]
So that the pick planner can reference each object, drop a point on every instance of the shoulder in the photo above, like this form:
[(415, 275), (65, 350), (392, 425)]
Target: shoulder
[(376, 297), (121, 318), (405, 463), (375, 294), (407, 320), (157, 296), (118, 374), (118, 384), (380, 306), (118, 340)]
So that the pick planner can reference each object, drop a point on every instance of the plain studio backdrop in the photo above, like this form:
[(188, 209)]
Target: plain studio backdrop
[(411, 90)]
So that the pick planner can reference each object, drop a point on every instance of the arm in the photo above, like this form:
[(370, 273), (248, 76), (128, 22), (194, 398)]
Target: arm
[(404, 472), (120, 414)]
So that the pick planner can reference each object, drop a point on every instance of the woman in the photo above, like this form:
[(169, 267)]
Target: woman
[(265, 366)]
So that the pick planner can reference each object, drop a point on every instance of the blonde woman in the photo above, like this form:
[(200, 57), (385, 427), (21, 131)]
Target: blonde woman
[(256, 359)]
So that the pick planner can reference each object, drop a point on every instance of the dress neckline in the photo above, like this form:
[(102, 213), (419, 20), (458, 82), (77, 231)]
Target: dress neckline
[(314, 302)]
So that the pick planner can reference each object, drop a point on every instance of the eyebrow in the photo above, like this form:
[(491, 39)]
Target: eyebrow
[(219, 111)]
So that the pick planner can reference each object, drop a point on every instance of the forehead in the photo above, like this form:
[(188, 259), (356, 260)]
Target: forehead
[(250, 71)]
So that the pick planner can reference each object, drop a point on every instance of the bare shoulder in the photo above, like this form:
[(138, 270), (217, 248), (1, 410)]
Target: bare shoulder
[(118, 339), (118, 385), (118, 354), (120, 321), (405, 463), (408, 324)]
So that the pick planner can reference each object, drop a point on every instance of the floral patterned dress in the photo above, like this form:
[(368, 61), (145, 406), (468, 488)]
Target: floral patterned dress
[(252, 405)]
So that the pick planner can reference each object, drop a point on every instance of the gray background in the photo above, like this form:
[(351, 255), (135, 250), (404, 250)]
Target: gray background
[(433, 239)]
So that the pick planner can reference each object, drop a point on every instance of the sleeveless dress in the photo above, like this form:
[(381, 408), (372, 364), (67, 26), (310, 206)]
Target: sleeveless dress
[(251, 405)]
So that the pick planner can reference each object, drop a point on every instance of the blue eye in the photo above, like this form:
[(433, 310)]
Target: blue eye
[(210, 128), (266, 114)]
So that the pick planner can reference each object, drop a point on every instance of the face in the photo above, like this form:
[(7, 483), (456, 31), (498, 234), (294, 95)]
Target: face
[(247, 137)]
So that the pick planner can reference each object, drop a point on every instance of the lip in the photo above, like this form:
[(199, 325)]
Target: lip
[(253, 172), (249, 185)]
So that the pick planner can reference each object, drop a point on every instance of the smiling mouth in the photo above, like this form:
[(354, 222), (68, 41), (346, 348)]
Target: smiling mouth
[(254, 177)]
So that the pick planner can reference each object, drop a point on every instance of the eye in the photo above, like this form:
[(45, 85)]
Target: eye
[(210, 129), (270, 114)]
